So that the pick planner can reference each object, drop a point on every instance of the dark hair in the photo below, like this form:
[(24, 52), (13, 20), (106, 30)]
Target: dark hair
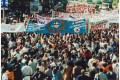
[(114, 61), (54, 71), (61, 68), (10, 68), (104, 65), (109, 62), (26, 62), (70, 63), (110, 68), (101, 70), (4, 70), (37, 69), (94, 64), (49, 67), (32, 59), (76, 63)]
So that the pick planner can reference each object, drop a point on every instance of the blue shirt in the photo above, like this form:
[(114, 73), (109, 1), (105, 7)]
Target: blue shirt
[(38, 45), (56, 76)]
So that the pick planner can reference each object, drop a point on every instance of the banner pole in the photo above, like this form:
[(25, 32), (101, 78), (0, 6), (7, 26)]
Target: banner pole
[(3, 13)]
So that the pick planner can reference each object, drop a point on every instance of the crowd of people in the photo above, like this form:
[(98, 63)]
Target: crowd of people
[(32, 56)]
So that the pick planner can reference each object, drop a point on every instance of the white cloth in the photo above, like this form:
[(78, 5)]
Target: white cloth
[(10, 44), (102, 44), (91, 61), (76, 45), (41, 68), (4, 76), (23, 50), (26, 78), (52, 64), (26, 70), (116, 68), (18, 56), (114, 57), (111, 42), (102, 51), (23, 61)]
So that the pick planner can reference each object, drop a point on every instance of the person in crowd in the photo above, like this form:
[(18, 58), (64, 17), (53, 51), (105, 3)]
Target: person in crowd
[(111, 75), (26, 71), (4, 74), (82, 76), (68, 71), (56, 73), (10, 73), (48, 72), (76, 70), (17, 73), (100, 75), (32, 65)]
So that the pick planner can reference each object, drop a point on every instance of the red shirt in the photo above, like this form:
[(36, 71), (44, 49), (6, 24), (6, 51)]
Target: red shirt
[(86, 55)]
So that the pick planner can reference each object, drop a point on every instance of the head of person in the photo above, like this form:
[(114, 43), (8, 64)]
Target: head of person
[(37, 69), (94, 64), (31, 59), (76, 63), (26, 63), (103, 59), (110, 68), (93, 56), (100, 70), (10, 69), (4, 70), (114, 61), (70, 63), (54, 70)]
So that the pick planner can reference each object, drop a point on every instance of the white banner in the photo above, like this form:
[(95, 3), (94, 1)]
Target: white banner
[(18, 27)]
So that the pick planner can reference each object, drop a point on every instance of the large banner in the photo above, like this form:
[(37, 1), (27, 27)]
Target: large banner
[(81, 8), (18, 27), (58, 26)]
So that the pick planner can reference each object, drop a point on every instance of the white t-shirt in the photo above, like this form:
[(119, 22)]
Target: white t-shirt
[(18, 56), (27, 70), (24, 49), (4, 76), (114, 57), (76, 45), (102, 51), (52, 64), (10, 44)]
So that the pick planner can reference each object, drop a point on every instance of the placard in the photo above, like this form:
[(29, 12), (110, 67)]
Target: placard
[(4, 3), (34, 6)]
